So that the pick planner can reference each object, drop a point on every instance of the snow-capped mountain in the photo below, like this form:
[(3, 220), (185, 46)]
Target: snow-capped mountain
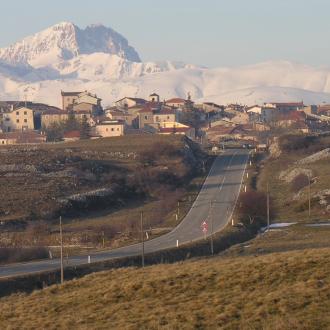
[(66, 41), (65, 57)]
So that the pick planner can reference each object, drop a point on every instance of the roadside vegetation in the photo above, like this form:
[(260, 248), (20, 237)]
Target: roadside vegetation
[(275, 291)]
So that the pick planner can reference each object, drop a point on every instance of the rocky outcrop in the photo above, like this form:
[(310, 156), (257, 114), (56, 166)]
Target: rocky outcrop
[(18, 168), (321, 155), (289, 174)]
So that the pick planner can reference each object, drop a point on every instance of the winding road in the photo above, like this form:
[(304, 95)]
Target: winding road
[(216, 201)]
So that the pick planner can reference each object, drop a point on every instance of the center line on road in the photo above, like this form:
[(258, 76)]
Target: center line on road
[(221, 184)]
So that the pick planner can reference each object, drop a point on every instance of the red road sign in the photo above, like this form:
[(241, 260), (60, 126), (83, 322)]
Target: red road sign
[(204, 227)]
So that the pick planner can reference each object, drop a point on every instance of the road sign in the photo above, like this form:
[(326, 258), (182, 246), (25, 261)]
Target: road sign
[(204, 227)]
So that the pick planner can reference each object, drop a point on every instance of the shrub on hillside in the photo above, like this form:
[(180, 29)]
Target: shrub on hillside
[(310, 144), (299, 182), (252, 209)]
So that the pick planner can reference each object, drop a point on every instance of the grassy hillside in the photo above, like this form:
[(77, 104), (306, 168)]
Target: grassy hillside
[(295, 237), (148, 173), (290, 196), (275, 291)]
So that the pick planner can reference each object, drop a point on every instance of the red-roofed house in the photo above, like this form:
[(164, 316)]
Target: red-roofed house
[(168, 128), (285, 107), (291, 118), (128, 102), (176, 102), (71, 136), (24, 137)]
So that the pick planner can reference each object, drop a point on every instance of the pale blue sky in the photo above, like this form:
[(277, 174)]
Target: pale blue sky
[(208, 32)]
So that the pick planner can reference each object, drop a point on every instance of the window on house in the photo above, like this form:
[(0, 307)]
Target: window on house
[(112, 129), (25, 113), (106, 129), (17, 113), (146, 117), (17, 121), (168, 117), (25, 120), (117, 129)]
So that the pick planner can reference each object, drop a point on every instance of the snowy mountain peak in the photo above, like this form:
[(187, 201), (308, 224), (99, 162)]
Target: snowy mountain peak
[(65, 41)]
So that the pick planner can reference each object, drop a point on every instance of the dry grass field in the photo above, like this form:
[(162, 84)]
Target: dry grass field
[(295, 237), (277, 291), (34, 178)]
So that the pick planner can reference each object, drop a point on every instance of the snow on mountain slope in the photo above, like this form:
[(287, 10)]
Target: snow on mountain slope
[(201, 83), (65, 41), (261, 95), (99, 66), (65, 57)]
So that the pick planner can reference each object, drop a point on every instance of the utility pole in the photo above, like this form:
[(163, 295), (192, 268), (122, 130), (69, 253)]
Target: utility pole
[(142, 239), (61, 240), (178, 211), (309, 197), (211, 223), (268, 217)]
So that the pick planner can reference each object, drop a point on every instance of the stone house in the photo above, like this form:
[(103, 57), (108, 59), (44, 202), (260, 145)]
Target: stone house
[(129, 102), (69, 98), (20, 119)]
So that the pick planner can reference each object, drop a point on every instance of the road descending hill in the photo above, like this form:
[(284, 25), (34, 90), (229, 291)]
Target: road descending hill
[(274, 291)]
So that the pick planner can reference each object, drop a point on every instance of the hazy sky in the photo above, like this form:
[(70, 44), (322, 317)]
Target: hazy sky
[(208, 32)]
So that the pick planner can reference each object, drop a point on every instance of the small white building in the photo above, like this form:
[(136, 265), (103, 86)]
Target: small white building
[(109, 128)]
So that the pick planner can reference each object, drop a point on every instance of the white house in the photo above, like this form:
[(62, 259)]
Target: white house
[(109, 128)]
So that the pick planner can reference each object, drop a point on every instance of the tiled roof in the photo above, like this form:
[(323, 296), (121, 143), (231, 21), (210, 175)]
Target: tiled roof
[(55, 112), (288, 104), (174, 129), (294, 115), (72, 134), (70, 93), (165, 112), (23, 137), (176, 100)]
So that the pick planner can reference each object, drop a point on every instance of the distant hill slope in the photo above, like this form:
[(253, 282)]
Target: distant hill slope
[(101, 60), (275, 291)]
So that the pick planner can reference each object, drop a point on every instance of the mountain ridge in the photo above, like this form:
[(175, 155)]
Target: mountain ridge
[(65, 41), (101, 60)]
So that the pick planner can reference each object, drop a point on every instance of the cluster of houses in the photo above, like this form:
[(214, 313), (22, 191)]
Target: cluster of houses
[(27, 122), (252, 124)]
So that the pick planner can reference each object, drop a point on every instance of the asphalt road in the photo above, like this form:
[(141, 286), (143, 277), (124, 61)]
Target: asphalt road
[(215, 202)]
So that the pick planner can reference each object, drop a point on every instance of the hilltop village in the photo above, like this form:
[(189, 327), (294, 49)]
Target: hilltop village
[(82, 116)]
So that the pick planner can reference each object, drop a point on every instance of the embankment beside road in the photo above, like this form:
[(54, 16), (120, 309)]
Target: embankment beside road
[(222, 241)]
